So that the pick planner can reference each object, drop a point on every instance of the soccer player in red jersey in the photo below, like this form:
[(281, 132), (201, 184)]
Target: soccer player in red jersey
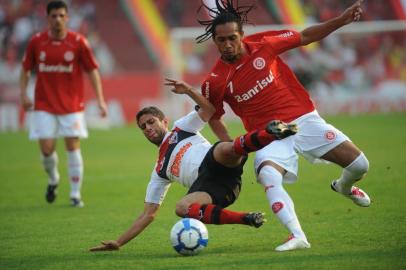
[(211, 172), (59, 58), (259, 86)]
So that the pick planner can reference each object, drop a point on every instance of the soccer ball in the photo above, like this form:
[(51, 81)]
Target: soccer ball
[(189, 236)]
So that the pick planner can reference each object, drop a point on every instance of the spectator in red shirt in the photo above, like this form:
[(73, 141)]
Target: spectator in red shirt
[(59, 58)]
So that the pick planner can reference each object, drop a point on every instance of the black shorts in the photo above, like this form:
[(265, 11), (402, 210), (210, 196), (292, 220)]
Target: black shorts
[(223, 184)]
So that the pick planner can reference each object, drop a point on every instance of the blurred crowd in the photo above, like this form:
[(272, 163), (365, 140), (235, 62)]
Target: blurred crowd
[(20, 19), (348, 62)]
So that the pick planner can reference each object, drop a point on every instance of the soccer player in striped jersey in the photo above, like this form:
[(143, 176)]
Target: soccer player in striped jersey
[(212, 173)]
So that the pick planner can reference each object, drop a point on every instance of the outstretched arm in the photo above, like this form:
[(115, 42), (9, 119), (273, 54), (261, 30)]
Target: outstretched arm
[(179, 87), (150, 210), (320, 31)]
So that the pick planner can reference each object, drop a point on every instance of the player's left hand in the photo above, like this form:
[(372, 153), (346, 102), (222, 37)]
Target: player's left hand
[(110, 245), (102, 108), (179, 87), (353, 13)]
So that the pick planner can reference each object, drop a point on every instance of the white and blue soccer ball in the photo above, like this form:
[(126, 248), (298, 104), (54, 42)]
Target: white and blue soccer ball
[(189, 236)]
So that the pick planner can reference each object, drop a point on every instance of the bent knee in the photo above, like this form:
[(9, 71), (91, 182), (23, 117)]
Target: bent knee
[(360, 166)]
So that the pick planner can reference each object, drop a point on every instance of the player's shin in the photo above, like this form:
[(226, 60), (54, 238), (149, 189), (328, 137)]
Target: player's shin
[(75, 171), (252, 141), (352, 173), (280, 202), (213, 214), (50, 164)]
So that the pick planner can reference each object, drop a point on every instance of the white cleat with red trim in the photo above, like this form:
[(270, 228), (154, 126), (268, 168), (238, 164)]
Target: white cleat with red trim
[(357, 195), (293, 243)]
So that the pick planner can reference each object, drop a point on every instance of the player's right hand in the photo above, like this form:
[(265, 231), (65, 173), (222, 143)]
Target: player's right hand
[(179, 87), (27, 103), (103, 109), (110, 245)]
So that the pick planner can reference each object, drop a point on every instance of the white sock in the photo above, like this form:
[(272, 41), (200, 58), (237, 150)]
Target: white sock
[(75, 171), (281, 203), (352, 173), (50, 164)]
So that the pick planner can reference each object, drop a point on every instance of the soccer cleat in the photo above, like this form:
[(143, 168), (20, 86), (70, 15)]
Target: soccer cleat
[(293, 243), (50, 195), (76, 202), (280, 129), (255, 219), (357, 195)]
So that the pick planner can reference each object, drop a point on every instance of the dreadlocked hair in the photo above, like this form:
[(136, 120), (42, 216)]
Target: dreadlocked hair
[(225, 11)]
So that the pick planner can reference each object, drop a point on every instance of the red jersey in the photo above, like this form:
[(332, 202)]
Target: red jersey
[(59, 66), (259, 87)]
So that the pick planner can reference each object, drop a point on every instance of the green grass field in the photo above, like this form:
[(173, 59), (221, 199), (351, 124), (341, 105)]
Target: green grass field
[(36, 235)]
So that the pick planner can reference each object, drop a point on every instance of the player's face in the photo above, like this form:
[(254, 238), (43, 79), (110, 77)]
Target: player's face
[(228, 41), (153, 128), (57, 19)]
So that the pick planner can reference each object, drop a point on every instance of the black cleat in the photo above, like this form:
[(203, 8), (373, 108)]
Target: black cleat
[(75, 202), (50, 196), (255, 219), (280, 129)]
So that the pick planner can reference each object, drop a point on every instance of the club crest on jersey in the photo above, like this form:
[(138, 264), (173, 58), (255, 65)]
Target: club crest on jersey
[(68, 56), (173, 138), (259, 63), (42, 56)]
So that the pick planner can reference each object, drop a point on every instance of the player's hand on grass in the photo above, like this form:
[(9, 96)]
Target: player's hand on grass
[(179, 87), (353, 13), (110, 245)]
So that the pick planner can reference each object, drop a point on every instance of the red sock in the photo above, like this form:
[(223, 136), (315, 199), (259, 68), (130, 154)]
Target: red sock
[(231, 217), (194, 211), (252, 141), (213, 214)]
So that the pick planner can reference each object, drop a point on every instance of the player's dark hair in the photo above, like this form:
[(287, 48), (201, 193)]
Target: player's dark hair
[(57, 4), (151, 110), (226, 11)]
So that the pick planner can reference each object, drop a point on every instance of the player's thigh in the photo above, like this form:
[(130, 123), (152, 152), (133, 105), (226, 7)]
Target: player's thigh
[(280, 154), (72, 125), (343, 154), (224, 154), (43, 125), (47, 146)]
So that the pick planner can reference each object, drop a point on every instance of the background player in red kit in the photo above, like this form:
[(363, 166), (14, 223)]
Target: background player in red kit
[(59, 57), (211, 172), (259, 86)]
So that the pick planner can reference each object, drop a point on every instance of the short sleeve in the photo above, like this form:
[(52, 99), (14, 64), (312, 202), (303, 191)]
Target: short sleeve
[(29, 56), (88, 60), (190, 122), (157, 189)]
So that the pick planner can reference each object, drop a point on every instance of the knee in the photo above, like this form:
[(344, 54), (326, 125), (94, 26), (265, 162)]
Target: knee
[(181, 209), (360, 165), (269, 176)]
